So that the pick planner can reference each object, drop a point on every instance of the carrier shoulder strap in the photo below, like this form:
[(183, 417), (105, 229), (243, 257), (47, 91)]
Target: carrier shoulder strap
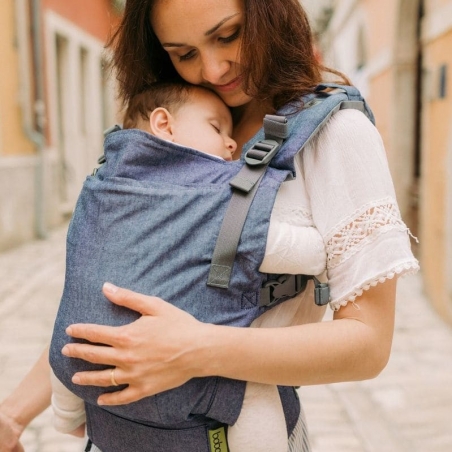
[(244, 187)]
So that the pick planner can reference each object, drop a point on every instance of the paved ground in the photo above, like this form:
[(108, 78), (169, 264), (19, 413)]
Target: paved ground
[(408, 408)]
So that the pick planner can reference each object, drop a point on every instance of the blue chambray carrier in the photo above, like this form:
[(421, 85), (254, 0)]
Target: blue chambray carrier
[(165, 220)]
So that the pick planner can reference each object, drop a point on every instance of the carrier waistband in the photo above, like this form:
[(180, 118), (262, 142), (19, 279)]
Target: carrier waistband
[(111, 433)]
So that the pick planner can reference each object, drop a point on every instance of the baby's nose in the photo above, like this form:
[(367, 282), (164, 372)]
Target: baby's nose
[(231, 145)]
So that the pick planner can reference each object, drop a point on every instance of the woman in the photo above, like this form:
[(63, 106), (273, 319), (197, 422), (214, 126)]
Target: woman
[(258, 56)]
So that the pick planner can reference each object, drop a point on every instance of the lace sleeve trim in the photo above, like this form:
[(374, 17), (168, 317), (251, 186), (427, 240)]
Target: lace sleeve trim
[(361, 228), (404, 269)]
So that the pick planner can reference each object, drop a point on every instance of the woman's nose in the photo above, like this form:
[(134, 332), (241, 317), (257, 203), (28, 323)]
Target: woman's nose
[(213, 69)]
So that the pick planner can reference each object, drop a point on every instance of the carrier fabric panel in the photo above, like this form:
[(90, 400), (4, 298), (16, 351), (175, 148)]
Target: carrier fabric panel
[(148, 221)]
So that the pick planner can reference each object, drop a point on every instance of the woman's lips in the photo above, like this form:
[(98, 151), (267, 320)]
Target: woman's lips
[(232, 85)]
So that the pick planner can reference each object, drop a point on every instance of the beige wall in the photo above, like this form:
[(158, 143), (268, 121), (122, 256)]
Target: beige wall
[(390, 76), (380, 99), (392, 96), (391, 73), (437, 119), (381, 21)]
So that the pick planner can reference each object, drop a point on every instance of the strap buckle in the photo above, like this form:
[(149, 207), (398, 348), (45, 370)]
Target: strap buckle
[(112, 129), (262, 152), (102, 159), (289, 286), (321, 293), (285, 286)]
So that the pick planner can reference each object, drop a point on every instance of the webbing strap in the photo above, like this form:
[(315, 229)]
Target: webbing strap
[(228, 238), (244, 186)]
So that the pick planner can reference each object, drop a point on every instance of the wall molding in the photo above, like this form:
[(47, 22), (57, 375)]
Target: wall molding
[(13, 162), (437, 23)]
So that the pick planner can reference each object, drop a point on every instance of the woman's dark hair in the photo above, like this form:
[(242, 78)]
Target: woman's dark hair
[(277, 39)]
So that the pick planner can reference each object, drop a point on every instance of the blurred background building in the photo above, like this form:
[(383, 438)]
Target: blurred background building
[(398, 53), (56, 98)]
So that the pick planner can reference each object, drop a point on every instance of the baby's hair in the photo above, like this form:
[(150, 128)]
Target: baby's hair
[(169, 95)]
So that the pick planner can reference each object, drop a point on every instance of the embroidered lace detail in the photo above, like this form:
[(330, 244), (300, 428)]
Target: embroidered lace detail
[(407, 268), (362, 228), (293, 215)]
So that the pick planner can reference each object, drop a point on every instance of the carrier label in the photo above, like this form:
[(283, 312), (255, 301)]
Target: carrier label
[(218, 441)]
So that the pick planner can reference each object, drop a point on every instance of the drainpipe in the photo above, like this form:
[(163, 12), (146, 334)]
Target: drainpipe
[(32, 121), (40, 115)]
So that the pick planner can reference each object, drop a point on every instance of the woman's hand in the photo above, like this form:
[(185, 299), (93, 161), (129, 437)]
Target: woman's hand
[(166, 347), (153, 354), (10, 432), (30, 398)]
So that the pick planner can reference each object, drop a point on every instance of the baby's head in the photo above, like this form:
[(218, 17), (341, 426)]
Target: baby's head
[(185, 114)]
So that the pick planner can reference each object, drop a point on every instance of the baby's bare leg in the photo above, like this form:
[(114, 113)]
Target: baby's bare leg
[(261, 426)]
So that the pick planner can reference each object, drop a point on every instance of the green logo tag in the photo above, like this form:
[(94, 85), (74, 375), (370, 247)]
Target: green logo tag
[(217, 439)]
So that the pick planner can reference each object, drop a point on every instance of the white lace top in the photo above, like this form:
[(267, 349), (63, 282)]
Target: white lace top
[(340, 213)]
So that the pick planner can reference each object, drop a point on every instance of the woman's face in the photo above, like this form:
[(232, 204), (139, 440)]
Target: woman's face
[(202, 38)]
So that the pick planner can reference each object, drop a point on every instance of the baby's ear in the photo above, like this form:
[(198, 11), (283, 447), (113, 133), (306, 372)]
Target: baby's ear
[(160, 122)]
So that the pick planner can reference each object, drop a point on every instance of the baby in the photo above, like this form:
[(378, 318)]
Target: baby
[(195, 117)]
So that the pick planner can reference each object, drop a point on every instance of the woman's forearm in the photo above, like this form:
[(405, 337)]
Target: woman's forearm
[(166, 347), (32, 395), (355, 346)]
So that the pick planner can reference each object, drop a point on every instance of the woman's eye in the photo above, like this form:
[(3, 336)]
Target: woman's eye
[(187, 56), (230, 38)]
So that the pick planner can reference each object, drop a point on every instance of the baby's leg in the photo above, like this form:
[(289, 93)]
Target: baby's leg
[(261, 426)]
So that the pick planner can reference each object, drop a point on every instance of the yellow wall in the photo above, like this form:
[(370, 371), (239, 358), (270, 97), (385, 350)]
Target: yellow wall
[(384, 94), (380, 100), (381, 20), (12, 139), (380, 17), (437, 117), (385, 37)]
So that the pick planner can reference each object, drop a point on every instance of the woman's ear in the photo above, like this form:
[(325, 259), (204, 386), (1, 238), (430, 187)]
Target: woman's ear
[(161, 123)]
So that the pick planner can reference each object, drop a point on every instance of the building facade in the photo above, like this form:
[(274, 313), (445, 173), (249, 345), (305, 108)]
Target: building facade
[(396, 52), (56, 98)]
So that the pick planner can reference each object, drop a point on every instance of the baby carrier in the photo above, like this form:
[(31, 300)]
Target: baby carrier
[(169, 221)]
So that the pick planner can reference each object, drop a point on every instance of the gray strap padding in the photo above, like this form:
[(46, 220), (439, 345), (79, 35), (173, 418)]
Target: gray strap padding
[(244, 186), (354, 104), (276, 127)]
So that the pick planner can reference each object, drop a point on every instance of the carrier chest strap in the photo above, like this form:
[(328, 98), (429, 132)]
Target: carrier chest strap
[(244, 185)]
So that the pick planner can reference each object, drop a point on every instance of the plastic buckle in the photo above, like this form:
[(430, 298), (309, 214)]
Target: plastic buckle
[(321, 293), (112, 129), (284, 286), (262, 152), (101, 160)]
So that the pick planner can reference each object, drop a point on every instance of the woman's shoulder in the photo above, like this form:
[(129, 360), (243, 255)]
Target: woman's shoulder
[(347, 135), (347, 151), (348, 125)]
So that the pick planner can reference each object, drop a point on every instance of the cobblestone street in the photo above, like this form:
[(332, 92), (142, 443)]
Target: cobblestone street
[(408, 408)]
